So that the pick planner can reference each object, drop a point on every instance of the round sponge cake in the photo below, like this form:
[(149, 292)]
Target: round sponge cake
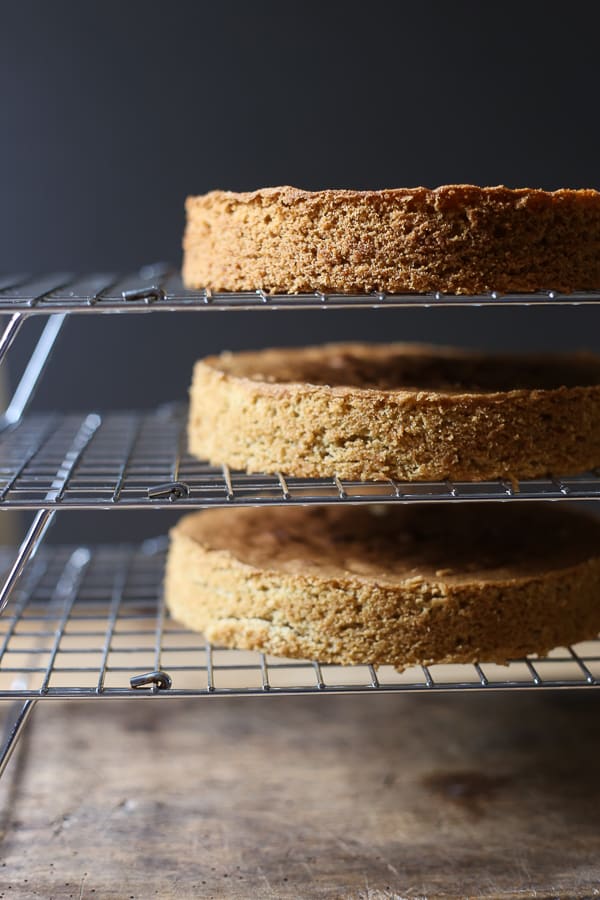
[(402, 584), (458, 239), (403, 411)]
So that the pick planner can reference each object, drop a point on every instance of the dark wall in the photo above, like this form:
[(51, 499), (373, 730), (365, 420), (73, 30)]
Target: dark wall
[(113, 111)]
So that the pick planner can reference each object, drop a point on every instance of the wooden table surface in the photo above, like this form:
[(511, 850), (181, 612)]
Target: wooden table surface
[(327, 797)]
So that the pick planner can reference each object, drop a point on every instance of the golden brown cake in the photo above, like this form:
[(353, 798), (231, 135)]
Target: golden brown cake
[(403, 411), (457, 239), (401, 585)]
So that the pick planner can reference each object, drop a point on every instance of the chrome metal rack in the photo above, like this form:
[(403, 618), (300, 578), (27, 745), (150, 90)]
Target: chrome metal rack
[(86, 621), (160, 288), (137, 461), (89, 622)]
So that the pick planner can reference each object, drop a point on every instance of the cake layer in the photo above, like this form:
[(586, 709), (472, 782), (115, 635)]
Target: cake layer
[(399, 585), (403, 411), (457, 239)]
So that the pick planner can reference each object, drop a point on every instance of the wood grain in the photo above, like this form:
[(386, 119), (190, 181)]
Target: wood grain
[(368, 798)]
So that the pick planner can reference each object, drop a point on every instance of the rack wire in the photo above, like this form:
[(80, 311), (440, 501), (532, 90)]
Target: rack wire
[(84, 622), (90, 623), (159, 287), (137, 460)]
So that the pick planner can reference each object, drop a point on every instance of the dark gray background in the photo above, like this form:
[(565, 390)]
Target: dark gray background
[(113, 111)]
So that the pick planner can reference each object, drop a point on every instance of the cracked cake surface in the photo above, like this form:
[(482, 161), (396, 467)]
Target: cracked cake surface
[(456, 238), (405, 411), (400, 585)]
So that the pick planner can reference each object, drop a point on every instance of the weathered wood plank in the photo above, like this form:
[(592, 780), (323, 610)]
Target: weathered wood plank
[(372, 797)]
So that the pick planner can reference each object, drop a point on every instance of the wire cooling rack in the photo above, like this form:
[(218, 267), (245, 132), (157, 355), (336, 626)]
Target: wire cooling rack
[(138, 460), (85, 622), (160, 288)]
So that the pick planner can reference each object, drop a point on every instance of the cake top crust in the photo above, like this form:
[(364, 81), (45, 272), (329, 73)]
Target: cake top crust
[(442, 543), (448, 194), (409, 368)]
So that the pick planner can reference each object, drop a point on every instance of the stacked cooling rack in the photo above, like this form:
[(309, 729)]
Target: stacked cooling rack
[(88, 622)]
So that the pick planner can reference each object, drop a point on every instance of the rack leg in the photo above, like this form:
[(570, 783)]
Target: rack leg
[(10, 333), (31, 542), (35, 367), (14, 729)]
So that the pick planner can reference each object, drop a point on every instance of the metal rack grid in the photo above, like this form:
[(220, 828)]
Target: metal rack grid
[(91, 623), (160, 288), (83, 623), (137, 460)]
